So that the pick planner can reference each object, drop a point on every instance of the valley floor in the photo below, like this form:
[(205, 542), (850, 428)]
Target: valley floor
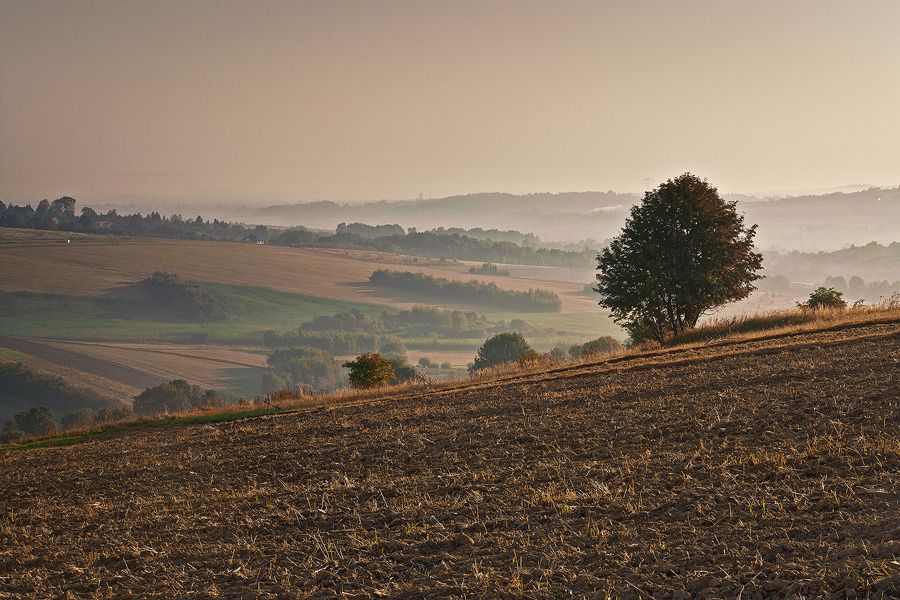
[(749, 469)]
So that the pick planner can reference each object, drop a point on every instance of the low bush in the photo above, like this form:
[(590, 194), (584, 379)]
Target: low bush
[(370, 370)]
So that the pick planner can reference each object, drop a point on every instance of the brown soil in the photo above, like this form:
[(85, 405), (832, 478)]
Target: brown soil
[(753, 470)]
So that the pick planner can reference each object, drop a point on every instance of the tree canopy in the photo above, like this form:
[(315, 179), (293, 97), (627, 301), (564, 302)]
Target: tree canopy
[(683, 252), (370, 370), (502, 348)]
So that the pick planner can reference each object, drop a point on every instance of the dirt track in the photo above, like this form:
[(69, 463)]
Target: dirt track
[(766, 469)]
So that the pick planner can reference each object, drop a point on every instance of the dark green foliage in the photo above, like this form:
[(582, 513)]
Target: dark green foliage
[(474, 292), (35, 422), (355, 331), (22, 388), (109, 415), (425, 362), (423, 321), (502, 348), (311, 367), (184, 297), (370, 370), (825, 298), (683, 251), (369, 231), (403, 371), (78, 419), (351, 320), (175, 396), (337, 342), (298, 236), (601, 345), (489, 269)]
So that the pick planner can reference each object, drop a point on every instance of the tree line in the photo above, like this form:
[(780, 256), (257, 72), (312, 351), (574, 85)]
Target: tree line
[(60, 215), (475, 292), (440, 245), (455, 243)]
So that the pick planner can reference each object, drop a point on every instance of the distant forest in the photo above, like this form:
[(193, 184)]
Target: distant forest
[(60, 215), (443, 245)]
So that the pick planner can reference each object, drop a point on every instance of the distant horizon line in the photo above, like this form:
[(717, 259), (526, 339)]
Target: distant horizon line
[(245, 200)]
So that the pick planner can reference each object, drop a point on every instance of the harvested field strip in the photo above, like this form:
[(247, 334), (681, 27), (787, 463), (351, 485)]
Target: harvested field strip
[(199, 352), (103, 368), (770, 472), (143, 365)]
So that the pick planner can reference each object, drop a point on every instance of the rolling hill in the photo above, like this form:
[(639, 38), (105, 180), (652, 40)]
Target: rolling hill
[(764, 467)]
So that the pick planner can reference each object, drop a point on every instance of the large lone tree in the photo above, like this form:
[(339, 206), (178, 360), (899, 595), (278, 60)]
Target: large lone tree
[(684, 251)]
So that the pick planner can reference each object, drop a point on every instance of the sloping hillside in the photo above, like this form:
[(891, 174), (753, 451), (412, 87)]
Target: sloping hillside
[(749, 469)]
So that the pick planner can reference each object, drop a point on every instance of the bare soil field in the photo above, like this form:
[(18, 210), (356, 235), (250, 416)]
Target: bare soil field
[(138, 366), (92, 265), (756, 469)]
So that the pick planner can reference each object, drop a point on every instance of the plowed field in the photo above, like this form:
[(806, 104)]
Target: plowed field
[(753, 470)]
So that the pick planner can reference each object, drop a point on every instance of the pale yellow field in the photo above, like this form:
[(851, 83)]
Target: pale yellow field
[(204, 365), (91, 265)]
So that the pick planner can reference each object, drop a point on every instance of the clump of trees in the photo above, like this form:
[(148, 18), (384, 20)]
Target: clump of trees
[(489, 269), (184, 298), (503, 348), (369, 232), (857, 287), (356, 332), (683, 251), (437, 244), (337, 342), (35, 422), (476, 292), (602, 345), (306, 367), (824, 298), (429, 321), (175, 396)]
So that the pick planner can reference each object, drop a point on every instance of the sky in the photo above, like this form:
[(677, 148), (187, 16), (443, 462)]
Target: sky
[(298, 101)]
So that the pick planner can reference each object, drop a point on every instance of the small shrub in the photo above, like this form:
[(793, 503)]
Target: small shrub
[(370, 370), (825, 298)]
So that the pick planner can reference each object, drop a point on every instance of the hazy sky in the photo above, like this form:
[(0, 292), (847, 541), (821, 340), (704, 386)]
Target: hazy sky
[(366, 100)]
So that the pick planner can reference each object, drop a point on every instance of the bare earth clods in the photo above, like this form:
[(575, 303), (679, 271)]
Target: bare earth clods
[(767, 470)]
